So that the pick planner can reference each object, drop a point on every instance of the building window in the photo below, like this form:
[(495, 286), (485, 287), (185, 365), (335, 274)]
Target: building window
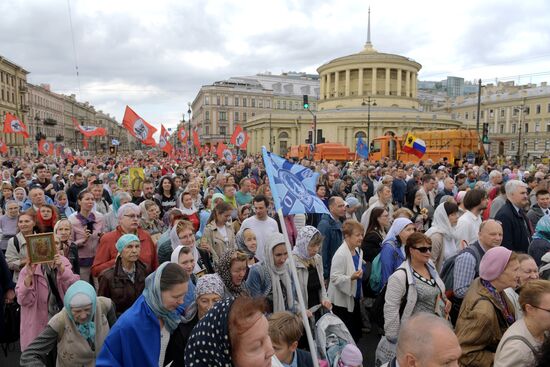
[(206, 129), (491, 113), (537, 108), (284, 105), (245, 102), (548, 108), (501, 128), (223, 116), (244, 116), (482, 114), (502, 112), (207, 116), (206, 100), (236, 101), (548, 127), (513, 128), (222, 130), (218, 100), (253, 102), (278, 105), (253, 114), (537, 127), (236, 115), (526, 127), (547, 145), (466, 115), (260, 103), (512, 145), (268, 103)]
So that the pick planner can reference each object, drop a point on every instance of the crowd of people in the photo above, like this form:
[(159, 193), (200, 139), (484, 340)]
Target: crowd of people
[(443, 262)]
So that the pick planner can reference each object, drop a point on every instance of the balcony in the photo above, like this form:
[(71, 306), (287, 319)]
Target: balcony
[(213, 136), (49, 121), (25, 108), (23, 89), (59, 138)]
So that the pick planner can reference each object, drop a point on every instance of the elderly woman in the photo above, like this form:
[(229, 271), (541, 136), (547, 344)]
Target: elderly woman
[(141, 335), (528, 271), (209, 290), (486, 312), (8, 224), (87, 229), (128, 218), (150, 219), (525, 337), (417, 284), (20, 195), (233, 333), (16, 252), (189, 209), (124, 282), (392, 254), (63, 232), (40, 290), (346, 274), (111, 218), (77, 331), (271, 278), (442, 233), (232, 269), (309, 267), (218, 235)]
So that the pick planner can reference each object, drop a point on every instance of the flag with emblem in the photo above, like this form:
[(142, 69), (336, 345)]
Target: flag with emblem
[(414, 145), (89, 131), (362, 149), (239, 138), (164, 141), (12, 125), (292, 186), (45, 147), (182, 135), (138, 127), (196, 140), (3, 147), (224, 152)]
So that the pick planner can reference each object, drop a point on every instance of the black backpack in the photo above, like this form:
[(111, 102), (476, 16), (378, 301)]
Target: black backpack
[(377, 310), (447, 271)]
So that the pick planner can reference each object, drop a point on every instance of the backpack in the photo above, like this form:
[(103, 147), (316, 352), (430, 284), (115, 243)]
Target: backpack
[(375, 279), (377, 310), (11, 321), (447, 271)]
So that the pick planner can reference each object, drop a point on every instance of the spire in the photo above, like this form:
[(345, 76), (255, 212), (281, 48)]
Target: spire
[(368, 45)]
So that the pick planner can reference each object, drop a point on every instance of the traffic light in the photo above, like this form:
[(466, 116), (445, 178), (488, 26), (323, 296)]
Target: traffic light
[(306, 103), (485, 134)]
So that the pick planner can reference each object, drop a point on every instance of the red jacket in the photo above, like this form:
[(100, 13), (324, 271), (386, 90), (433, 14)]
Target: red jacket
[(106, 254)]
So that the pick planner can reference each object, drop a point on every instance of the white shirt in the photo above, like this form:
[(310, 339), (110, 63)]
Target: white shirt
[(467, 228), (262, 229)]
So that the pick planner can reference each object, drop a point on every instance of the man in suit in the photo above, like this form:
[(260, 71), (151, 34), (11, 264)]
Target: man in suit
[(517, 229)]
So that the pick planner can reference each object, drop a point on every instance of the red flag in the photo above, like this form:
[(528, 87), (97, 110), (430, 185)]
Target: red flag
[(85, 143), (196, 140), (3, 147), (59, 150), (182, 135), (45, 147), (15, 126), (89, 131), (138, 127), (224, 152), (239, 138), (164, 142)]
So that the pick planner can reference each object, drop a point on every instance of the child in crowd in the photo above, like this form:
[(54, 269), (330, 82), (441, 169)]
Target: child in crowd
[(285, 329)]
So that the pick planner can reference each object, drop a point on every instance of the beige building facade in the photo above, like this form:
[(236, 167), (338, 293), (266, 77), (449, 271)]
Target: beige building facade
[(367, 94), (45, 116), (518, 118), (13, 100)]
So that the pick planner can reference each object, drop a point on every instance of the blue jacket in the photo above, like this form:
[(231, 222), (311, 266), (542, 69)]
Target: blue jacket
[(27, 204), (332, 232), (391, 257), (398, 190), (134, 340)]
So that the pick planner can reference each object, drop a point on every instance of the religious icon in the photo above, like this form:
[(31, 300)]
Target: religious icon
[(41, 248)]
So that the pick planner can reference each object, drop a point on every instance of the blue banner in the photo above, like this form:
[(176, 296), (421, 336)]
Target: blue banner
[(292, 186), (362, 149)]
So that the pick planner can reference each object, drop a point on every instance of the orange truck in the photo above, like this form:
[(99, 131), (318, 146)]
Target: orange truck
[(450, 144), (326, 151)]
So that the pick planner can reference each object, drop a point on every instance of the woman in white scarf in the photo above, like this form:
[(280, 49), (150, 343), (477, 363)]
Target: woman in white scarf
[(443, 233), (178, 238), (271, 278)]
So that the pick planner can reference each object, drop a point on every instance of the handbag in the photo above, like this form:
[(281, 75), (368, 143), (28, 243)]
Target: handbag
[(11, 321)]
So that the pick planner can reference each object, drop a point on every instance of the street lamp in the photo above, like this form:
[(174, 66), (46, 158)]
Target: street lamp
[(370, 102), (521, 109), (189, 124)]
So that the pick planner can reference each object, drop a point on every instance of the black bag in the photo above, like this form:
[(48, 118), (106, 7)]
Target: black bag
[(12, 319), (377, 310), (447, 271)]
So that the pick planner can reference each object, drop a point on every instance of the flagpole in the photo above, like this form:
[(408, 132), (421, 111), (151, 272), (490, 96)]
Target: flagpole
[(305, 319)]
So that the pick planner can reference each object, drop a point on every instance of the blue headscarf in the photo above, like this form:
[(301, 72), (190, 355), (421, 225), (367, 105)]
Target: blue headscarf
[(153, 298), (397, 226), (80, 287), (543, 228), (125, 240), (116, 203)]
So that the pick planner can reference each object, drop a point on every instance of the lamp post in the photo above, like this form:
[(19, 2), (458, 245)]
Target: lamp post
[(370, 102), (188, 126), (520, 122)]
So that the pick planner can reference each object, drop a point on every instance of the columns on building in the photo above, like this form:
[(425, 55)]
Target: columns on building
[(336, 84), (374, 79), (399, 74), (328, 85), (322, 87), (347, 82), (408, 83), (387, 88), (360, 83)]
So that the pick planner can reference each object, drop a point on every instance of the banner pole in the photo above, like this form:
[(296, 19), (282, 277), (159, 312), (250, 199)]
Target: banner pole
[(294, 273)]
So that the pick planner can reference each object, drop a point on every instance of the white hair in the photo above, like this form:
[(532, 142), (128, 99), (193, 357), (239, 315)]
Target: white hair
[(513, 185), (494, 173), (126, 208)]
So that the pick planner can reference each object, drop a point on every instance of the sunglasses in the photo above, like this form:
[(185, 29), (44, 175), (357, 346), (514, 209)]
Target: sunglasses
[(423, 249)]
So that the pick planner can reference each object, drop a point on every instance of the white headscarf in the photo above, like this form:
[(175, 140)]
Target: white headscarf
[(441, 224), (176, 247), (277, 275)]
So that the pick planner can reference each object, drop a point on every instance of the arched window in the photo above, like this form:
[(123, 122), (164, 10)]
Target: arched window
[(283, 135)]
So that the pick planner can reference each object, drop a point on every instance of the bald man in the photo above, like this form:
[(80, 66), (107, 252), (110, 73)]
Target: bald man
[(426, 340)]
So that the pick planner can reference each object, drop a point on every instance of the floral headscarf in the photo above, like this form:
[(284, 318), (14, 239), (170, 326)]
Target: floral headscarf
[(224, 271), (542, 230), (241, 246), (305, 234)]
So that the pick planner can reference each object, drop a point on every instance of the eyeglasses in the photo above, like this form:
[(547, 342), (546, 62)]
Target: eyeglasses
[(540, 308), (132, 216), (423, 249)]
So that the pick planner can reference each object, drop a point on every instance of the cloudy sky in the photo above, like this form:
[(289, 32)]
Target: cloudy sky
[(155, 55)]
